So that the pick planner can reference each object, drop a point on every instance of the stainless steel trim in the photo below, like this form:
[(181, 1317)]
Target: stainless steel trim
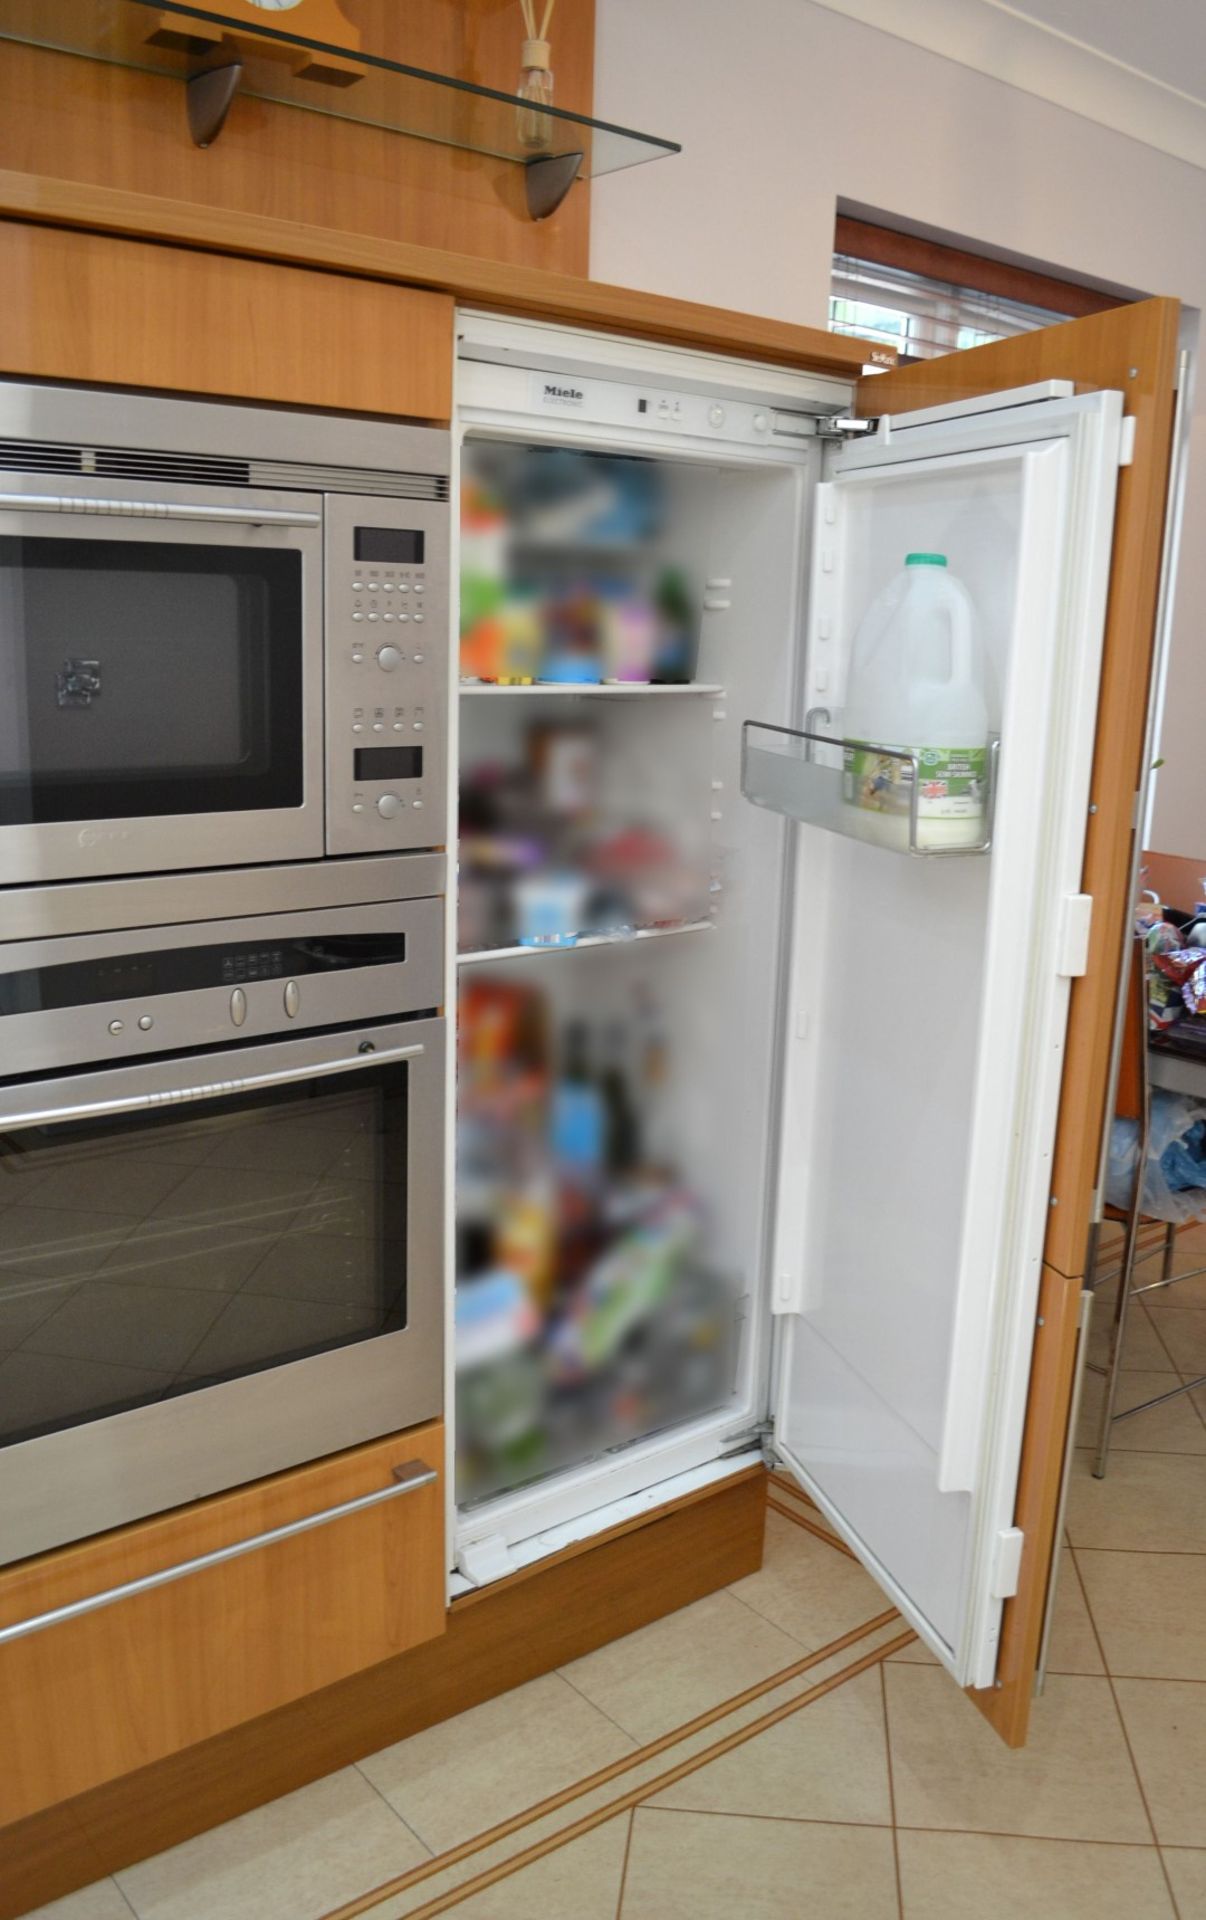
[(171, 899), (157, 510), (215, 1090), (408, 1478), (87, 416)]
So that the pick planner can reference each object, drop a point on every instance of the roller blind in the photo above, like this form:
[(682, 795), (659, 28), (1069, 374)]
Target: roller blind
[(922, 317)]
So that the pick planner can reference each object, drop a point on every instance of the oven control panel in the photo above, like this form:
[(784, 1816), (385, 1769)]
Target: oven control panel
[(386, 566)]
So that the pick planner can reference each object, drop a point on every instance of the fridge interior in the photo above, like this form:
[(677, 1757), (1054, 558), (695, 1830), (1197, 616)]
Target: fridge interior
[(616, 1088)]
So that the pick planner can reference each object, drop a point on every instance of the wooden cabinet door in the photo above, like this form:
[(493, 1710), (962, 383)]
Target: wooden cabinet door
[(114, 312), (94, 1696), (1133, 349)]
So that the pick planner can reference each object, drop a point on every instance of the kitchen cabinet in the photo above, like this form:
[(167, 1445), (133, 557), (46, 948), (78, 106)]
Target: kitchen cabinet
[(97, 1694)]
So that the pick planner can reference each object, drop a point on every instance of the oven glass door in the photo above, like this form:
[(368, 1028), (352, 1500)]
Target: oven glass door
[(148, 1255), (160, 664)]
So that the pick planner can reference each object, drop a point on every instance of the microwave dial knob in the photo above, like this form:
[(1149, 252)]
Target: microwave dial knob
[(292, 999), (388, 658), (238, 1006), (389, 806)]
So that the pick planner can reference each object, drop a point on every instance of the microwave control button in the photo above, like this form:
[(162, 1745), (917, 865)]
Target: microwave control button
[(387, 616), (117, 1026), (238, 1007), (418, 659), (416, 803), (145, 1023), (388, 658), (389, 806), (358, 615), (292, 999), (418, 586), (403, 586), (358, 586), (418, 616)]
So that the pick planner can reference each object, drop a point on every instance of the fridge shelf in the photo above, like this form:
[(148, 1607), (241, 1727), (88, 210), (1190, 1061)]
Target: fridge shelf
[(473, 959), (590, 689), (803, 774)]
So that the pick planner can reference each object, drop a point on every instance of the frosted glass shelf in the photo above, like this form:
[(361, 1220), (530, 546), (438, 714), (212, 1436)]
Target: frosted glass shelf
[(804, 775), (589, 690), (198, 44), (588, 940)]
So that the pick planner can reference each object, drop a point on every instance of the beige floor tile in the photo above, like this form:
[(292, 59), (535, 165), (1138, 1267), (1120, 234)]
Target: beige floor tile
[(580, 1881), (809, 1589), (666, 1673), (698, 1866), (949, 1876), (103, 1900), (1150, 1611), (1187, 1871), (1141, 1347), (829, 1761), (1166, 1725), (1148, 1502), (458, 1778), (1176, 1427), (290, 1860), (1074, 1647), (1183, 1331), (1073, 1780)]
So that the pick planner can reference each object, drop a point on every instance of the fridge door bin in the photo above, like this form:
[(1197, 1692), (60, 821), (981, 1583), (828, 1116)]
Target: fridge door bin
[(818, 778)]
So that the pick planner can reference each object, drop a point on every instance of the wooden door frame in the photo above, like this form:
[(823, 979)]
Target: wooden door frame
[(1133, 349)]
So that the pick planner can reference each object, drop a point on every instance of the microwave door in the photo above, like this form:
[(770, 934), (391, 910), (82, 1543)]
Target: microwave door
[(164, 659)]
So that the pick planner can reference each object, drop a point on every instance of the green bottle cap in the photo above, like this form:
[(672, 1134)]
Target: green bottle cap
[(925, 559)]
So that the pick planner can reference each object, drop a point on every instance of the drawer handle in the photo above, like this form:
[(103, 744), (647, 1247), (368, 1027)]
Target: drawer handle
[(159, 510), (407, 1479)]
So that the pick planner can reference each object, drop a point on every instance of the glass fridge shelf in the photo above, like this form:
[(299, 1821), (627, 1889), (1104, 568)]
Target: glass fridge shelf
[(217, 56), (806, 775)]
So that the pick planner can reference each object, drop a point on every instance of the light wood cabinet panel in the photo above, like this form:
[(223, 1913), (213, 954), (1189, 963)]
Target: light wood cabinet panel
[(502, 286), (84, 306), (91, 1699), (92, 123)]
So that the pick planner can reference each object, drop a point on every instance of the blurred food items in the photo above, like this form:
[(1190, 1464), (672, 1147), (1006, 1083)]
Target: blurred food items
[(586, 1318), (564, 579)]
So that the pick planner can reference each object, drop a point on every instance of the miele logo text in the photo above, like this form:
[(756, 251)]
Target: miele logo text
[(102, 836), (565, 396)]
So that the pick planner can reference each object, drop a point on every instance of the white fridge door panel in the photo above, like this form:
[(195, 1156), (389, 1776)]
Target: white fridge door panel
[(925, 1017)]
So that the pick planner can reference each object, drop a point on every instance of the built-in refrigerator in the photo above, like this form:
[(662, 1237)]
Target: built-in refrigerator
[(757, 1101)]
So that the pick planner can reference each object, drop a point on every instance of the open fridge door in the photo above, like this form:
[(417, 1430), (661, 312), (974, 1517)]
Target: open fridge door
[(927, 997)]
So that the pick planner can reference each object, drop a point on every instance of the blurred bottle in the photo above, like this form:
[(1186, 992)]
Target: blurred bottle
[(579, 1114), (674, 653), (623, 1124)]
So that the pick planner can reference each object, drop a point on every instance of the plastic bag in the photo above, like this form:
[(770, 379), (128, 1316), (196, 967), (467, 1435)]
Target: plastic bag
[(1174, 1179)]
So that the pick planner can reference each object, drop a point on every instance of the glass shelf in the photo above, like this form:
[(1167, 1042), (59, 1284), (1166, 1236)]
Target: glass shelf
[(277, 65), (476, 955), (592, 689), (810, 778)]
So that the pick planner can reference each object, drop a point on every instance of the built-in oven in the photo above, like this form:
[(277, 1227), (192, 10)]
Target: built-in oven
[(221, 1199), (223, 634)]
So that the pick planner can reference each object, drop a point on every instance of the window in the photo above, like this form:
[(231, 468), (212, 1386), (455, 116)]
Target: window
[(926, 299)]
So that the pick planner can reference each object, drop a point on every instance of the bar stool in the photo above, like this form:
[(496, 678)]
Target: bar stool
[(1144, 1236)]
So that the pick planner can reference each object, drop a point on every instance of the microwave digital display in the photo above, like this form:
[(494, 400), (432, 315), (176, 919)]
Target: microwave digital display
[(393, 546)]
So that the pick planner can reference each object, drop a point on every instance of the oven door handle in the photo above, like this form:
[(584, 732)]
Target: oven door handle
[(408, 1478), (160, 510), (215, 1090)]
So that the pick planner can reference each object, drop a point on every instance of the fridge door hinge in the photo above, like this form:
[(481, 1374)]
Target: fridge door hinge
[(1007, 1563), (1075, 926), (482, 1561), (760, 1434), (1126, 440), (841, 426)]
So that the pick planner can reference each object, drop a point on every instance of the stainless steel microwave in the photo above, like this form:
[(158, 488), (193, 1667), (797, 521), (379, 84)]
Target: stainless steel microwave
[(223, 634)]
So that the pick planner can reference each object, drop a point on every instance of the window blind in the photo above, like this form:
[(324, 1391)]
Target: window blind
[(922, 317)]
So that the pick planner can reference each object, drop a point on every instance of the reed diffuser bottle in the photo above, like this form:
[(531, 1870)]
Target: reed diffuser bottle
[(535, 79)]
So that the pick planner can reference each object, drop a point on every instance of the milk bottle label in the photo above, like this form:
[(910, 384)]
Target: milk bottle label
[(952, 781)]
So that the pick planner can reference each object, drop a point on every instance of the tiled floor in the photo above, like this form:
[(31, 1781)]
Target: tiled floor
[(732, 1762)]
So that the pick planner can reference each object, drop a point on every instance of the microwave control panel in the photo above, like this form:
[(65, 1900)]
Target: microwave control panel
[(386, 584)]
